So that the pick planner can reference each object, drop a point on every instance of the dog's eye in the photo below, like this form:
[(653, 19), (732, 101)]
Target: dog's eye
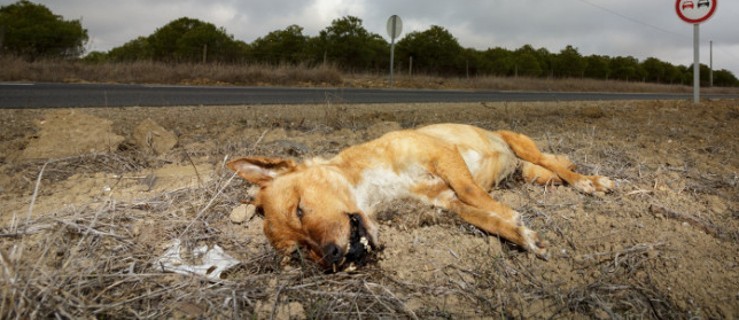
[(299, 213)]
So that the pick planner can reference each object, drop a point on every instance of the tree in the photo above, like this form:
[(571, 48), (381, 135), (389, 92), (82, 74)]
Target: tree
[(546, 61), (686, 74), (434, 51), (569, 63), (346, 43), (497, 61), (527, 62), (281, 46), (96, 57), (134, 50), (183, 40), (471, 60), (32, 31), (655, 70), (597, 67), (673, 74), (625, 68), (189, 40), (724, 78)]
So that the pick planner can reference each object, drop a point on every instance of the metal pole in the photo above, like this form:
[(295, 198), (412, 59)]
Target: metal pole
[(696, 64), (392, 57), (205, 53), (2, 38), (410, 66), (392, 49), (711, 67)]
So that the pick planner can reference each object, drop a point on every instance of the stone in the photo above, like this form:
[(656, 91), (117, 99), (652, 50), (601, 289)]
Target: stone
[(243, 213), (150, 136)]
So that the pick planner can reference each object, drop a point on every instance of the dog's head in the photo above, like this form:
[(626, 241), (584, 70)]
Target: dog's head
[(309, 207)]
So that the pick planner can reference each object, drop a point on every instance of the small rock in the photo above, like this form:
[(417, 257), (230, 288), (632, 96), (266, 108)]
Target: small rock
[(252, 191), (149, 135), (243, 213)]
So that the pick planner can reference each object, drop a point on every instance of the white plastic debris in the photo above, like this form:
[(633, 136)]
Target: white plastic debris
[(214, 261)]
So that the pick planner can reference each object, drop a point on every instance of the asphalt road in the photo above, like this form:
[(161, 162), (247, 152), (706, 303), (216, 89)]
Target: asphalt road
[(54, 95)]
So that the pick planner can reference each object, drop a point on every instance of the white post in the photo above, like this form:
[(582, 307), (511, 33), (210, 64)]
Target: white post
[(710, 84), (392, 58), (696, 64), (393, 30)]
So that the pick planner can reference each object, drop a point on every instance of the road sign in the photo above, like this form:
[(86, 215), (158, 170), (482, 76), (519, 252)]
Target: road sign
[(695, 11), (394, 27)]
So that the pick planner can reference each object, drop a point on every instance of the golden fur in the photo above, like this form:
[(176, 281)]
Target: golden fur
[(327, 206)]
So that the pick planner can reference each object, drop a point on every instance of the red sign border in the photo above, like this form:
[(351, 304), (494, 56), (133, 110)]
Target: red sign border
[(696, 21)]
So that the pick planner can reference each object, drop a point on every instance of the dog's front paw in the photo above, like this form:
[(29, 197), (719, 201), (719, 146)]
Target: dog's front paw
[(585, 185), (593, 184), (603, 184), (535, 244)]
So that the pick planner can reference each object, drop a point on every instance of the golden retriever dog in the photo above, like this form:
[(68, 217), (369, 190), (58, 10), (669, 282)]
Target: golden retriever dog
[(326, 207)]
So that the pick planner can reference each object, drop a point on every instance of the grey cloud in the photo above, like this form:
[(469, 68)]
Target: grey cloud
[(628, 27)]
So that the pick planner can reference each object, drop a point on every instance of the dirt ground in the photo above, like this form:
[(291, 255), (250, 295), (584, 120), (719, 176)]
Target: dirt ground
[(92, 198)]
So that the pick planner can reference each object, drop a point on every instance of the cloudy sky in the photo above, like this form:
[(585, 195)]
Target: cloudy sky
[(639, 28)]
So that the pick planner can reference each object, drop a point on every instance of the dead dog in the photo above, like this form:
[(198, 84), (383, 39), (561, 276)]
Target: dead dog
[(326, 206)]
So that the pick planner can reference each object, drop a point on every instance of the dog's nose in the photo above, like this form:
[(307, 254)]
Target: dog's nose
[(332, 254)]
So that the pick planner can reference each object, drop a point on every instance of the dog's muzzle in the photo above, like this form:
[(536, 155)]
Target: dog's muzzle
[(360, 245)]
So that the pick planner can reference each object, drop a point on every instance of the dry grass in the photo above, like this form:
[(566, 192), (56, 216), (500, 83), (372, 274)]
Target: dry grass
[(522, 84), (87, 262), (615, 258), (16, 69)]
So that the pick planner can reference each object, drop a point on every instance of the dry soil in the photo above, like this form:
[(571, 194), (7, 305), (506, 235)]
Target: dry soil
[(87, 209)]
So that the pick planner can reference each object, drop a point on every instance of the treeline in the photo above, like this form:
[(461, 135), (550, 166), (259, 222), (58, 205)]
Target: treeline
[(348, 45)]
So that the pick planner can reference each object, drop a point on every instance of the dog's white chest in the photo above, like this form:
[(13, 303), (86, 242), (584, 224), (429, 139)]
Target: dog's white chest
[(381, 184)]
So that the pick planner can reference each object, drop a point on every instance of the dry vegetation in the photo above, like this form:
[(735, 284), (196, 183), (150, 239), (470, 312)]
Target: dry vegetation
[(522, 84), (80, 234), (16, 69)]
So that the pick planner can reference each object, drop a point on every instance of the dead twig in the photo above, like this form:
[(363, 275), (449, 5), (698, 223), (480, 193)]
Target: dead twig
[(706, 227)]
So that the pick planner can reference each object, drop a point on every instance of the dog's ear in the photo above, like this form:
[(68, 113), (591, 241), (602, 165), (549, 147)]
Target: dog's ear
[(259, 170)]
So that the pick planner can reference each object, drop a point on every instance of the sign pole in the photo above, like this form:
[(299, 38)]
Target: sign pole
[(695, 13), (696, 64), (392, 60), (394, 27), (710, 66)]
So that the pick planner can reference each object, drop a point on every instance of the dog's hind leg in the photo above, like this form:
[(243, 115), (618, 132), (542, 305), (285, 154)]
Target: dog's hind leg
[(526, 149), (537, 174)]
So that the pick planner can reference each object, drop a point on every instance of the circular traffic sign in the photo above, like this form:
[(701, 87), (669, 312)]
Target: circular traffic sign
[(394, 26), (695, 11)]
